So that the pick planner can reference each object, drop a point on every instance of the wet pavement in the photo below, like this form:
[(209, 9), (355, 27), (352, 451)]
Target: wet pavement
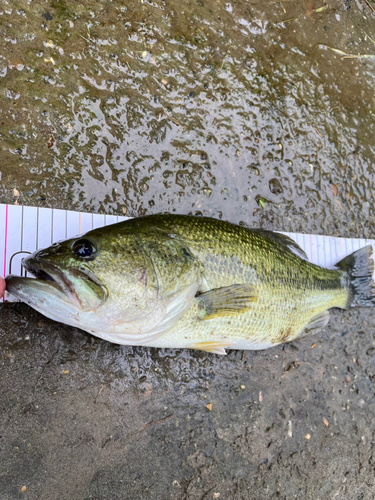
[(234, 110)]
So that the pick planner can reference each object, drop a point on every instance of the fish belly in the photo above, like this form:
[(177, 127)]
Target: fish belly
[(271, 321)]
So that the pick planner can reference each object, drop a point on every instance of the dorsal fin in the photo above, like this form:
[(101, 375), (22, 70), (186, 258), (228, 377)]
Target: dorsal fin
[(284, 240)]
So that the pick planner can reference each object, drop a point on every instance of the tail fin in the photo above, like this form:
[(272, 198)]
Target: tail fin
[(359, 267)]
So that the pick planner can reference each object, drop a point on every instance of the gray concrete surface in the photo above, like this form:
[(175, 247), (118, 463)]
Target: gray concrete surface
[(84, 419)]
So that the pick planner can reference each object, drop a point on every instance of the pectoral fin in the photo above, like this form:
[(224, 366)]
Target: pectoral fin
[(226, 301), (214, 347)]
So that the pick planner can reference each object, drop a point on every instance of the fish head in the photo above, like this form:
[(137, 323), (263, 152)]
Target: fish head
[(65, 269), (111, 281)]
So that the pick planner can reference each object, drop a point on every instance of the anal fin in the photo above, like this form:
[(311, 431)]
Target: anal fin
[(226, 301), (315, 324), (214, 347)]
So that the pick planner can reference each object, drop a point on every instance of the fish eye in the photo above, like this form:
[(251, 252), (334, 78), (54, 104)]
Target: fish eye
[(84, 249)]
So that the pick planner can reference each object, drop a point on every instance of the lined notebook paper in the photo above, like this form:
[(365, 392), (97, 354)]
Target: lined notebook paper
[(26, 229)]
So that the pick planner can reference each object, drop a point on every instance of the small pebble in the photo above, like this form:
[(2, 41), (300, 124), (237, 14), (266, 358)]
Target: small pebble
[(275, 186), (290, 429), (23, 489), (209, 406), (243, 387), (361, 403), (12, 94), (348, 379), (325, 422), (307, 436)]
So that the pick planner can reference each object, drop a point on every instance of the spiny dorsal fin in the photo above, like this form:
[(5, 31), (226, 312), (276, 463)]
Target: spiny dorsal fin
[(226, 301)]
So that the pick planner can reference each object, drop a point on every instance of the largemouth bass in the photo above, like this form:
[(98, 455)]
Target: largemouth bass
[(190, 282)]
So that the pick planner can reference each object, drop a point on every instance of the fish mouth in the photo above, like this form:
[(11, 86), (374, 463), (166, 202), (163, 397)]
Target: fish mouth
[(44, 271), (80, 286)]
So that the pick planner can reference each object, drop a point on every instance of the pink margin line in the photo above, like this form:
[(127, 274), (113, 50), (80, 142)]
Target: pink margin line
[(6, 243)]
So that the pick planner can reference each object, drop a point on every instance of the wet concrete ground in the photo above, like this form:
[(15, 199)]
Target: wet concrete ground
[(84, 419), (234, 110)]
